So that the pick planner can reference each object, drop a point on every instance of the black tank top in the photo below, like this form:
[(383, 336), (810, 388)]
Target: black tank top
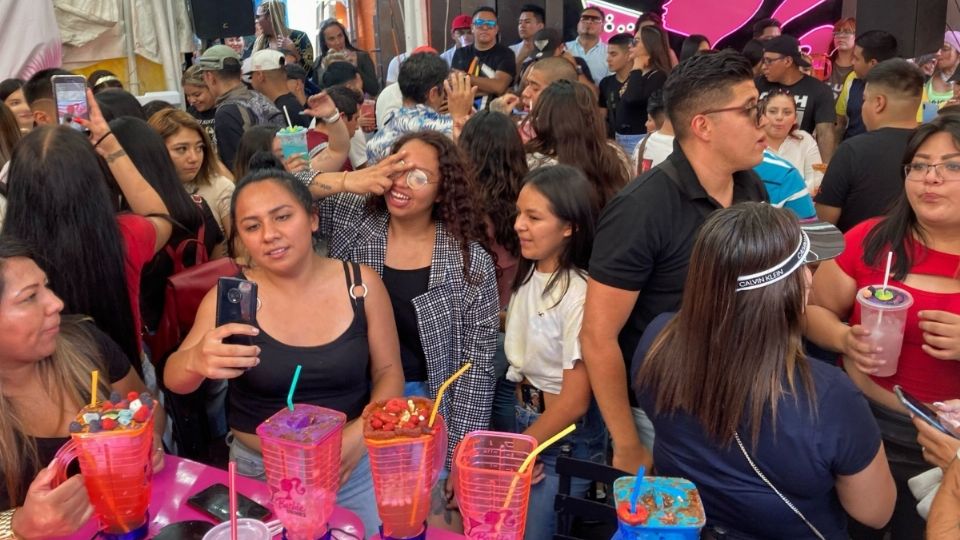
[(335, 375)]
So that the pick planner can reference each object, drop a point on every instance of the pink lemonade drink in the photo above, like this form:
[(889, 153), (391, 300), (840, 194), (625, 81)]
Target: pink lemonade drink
[(493, 497), (301, 455), (113, 441), (405, 460), (884, 313)]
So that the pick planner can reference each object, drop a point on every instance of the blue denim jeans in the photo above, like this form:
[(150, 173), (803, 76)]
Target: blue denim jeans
[(355, 495), (644, 427), (588, 442), (629, 142), (502, 415)]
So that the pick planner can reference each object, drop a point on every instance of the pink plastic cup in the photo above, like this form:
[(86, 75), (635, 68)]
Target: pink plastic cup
[(404, 472), (486, 464), (117, 471), (301, 455), (886, 322)]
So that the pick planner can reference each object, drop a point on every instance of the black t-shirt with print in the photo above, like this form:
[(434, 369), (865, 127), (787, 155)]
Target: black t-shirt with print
[(609, 99), (496, 58), (815, 104)]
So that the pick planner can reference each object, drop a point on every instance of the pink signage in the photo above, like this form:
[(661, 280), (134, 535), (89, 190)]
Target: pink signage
[(716, 19)]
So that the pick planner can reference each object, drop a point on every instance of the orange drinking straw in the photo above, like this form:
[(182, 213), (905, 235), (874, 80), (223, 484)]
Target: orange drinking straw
[(443, 388), (433, 417), (94, 379)]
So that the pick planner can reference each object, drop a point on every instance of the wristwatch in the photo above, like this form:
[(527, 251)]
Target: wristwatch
[(6, 525)]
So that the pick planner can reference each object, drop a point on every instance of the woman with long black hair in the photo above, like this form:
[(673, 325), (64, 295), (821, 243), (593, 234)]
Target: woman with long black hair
[(334, 39)]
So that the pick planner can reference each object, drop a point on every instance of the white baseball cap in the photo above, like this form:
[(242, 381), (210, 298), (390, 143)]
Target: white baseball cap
[(266, 60)]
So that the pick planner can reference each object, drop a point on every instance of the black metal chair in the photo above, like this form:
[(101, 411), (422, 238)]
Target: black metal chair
[(593, 517)]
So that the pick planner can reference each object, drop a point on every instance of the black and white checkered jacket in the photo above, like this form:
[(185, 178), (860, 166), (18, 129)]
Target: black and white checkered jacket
[(458, 321)]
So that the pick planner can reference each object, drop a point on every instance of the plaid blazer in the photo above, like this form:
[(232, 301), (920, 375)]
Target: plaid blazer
[(458, 321)]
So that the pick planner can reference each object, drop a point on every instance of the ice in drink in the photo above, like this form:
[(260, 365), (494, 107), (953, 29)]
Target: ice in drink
[(883, 311)]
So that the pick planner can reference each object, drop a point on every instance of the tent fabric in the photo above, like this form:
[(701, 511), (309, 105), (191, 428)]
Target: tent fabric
[(82, 21), (32, 51)]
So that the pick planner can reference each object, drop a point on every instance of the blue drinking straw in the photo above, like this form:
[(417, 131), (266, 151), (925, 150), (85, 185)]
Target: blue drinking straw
[(636, 489), (293, 387)]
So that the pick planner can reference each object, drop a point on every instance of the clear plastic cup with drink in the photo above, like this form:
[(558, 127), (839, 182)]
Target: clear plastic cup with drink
[(883, 311), (301, 456), (113, 442), (247, 529), (406, 456), (493, 497), (293, 140)]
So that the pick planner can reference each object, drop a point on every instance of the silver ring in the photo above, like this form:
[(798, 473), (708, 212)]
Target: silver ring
[(401, 163), (361, 285)]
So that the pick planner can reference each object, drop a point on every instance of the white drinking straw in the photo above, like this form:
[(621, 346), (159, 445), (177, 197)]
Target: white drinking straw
[(285, 113), (886, 275)]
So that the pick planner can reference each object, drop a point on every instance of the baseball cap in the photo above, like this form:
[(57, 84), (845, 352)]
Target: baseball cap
[(819, 241), (215, 58), (788, 46), (460, 22), (267, 60), (424, 49)]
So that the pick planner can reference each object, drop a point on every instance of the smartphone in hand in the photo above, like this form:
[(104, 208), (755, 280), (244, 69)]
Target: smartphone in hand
[(70, 99), (215, 502), (920, 409), (236, 303)]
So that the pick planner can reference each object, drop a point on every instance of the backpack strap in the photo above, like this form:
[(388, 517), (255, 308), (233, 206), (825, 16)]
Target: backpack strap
[(200, 247)]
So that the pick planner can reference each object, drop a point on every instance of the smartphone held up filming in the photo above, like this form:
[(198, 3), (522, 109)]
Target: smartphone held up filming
[(236, 303), (70, 99)]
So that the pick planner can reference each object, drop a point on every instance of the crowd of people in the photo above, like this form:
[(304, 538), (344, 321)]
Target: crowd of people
[(664, 249)]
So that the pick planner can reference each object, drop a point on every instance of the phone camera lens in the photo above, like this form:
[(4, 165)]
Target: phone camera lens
[(234, 296)]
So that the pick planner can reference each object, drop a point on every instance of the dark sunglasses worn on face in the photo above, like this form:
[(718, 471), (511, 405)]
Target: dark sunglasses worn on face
[(590, 18), (755, 111)]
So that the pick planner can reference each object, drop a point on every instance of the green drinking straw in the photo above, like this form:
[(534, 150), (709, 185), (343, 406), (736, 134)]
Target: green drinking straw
[(293, 387)]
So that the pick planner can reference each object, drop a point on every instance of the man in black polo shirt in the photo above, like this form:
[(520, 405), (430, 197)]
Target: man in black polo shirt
[(645, 234)]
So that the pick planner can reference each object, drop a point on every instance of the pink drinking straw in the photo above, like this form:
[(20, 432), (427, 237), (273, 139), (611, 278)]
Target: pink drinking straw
[(232, 472)]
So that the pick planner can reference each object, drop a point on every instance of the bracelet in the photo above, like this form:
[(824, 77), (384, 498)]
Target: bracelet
[(332, 119), (6, 525), (115, 156), (102, 137)]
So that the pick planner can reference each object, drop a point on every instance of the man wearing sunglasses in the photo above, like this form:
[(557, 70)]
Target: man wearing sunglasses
[(588, 44), (645, 234), (491, 66), (816, 110)]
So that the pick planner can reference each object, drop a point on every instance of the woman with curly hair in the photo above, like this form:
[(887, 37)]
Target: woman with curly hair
[(422, 230), (569, 131), (493, 143)]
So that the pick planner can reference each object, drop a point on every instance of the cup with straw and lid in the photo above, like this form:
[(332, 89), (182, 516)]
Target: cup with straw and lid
[(883, 312), (655, 507), (301, 457), (293, 139)]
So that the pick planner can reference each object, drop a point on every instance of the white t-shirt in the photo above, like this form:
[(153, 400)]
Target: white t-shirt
[(542, 339), (658, 146), (389, 100), (358, 149), (393, 68), (802, 153)]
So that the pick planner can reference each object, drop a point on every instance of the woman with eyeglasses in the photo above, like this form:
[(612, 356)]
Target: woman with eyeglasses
[(841, 59), (424, 232), (921, 231), (940, 88), (779, 445)]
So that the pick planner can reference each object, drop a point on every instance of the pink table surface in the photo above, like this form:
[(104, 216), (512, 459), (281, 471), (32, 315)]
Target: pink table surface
[(433, 533), (181, 478)]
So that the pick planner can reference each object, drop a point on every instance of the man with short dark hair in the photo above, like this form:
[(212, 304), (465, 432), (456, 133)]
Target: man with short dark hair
[(348, 103), (421, 83), (342, 73), (38, 93), (490, 65), (297, 82), (588, 44), (619, 63), (782, 61), (869, 49), (237, 107), (645, 234), (765, 29), (532, 20), (865, 176), (268, 77)]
